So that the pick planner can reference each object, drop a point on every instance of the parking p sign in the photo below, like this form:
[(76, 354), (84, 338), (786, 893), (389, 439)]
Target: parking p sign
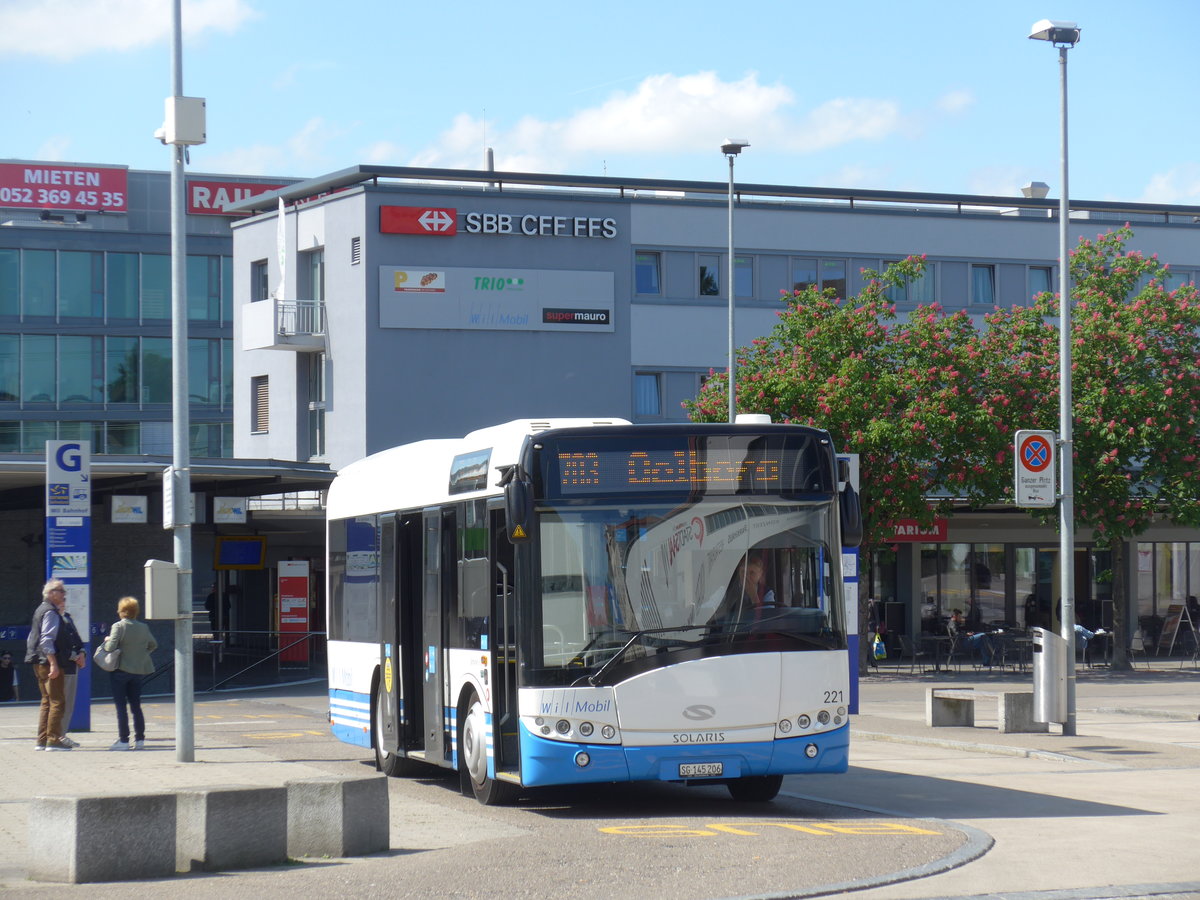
[(1036, 481)]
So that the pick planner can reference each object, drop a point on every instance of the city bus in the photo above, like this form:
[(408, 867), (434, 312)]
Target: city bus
[(582, 600)]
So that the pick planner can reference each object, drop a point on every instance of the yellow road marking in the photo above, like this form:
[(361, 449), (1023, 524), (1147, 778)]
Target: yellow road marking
[(754, 829)]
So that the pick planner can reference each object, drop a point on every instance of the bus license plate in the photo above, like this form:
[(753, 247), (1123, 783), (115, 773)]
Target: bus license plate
[(701, 770)]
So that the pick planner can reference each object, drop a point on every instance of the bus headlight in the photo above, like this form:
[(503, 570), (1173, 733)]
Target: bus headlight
[(583, 759), (785, 725), (811, 751), (586, 729), (823, 717), (608, 732), (804, 721), (562, 726), (841, 711)]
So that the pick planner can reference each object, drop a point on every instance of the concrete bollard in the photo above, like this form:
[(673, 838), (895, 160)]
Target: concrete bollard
[(335, 816), (98, 838), (231, 827)]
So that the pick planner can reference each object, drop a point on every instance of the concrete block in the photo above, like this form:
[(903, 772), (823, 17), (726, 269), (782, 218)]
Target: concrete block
[(1016, 714), (942, 708), (335, 816), (231, 827), (101, 838)]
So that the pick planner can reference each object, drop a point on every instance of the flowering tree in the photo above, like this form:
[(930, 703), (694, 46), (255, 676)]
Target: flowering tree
[(1135, 373), (930, 403), (907, 396)]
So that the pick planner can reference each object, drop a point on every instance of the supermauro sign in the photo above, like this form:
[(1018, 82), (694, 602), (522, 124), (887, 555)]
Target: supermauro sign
[(440, 221)]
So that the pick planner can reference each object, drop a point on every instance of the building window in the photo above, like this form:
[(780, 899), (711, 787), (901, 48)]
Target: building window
[(1176, 280), (258, 281), (316, 405), (204, 288), (819, 273), (312, 276), (983, 285), (156, 370), (204, 372), (121, 286), (647, 273), (80, 284), (1040, 281), (38, 284), (647, 395), (121, 360), (81, 369), (156, 286), (914, 290), (260, 405), (743, 276), (39, 381), (710, 275), (10, 283)]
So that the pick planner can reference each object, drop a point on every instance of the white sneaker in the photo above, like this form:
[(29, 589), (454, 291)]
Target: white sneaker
[(138, 745), (121, 745)]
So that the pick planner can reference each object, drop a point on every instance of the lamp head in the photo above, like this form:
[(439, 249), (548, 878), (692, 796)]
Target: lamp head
[(733, 146), (1056, 32)]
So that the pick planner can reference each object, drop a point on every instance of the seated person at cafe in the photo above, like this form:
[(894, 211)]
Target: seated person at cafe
[(976, 640)]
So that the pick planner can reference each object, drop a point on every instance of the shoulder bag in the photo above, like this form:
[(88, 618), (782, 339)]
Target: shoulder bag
[(108, 660)]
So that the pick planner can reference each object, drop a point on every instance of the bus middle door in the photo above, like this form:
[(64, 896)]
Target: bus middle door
[(438, 531)]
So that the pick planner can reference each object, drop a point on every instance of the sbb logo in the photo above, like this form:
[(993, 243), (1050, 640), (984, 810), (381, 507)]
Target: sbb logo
[(432, 220)]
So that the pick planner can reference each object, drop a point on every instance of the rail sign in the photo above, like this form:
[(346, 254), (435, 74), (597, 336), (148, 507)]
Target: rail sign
[(1036, 482)]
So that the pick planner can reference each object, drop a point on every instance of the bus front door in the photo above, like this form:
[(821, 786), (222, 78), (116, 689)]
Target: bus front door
[(389, 693)]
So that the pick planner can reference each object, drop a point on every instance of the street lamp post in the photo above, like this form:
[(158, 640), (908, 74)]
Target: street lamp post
[(1064, 35), (731, 148)]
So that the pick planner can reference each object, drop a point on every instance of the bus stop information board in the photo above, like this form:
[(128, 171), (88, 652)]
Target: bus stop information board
[(293, 611), (1036, 484)]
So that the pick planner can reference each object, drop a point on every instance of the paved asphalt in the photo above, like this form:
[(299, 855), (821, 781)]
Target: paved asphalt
[(923, 813)]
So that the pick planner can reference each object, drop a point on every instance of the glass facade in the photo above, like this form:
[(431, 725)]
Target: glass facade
[(112, 384)]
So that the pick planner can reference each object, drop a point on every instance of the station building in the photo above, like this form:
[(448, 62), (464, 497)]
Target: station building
[(85, 355), (380, 305)]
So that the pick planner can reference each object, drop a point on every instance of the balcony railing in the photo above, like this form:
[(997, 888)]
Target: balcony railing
[(299, 317)]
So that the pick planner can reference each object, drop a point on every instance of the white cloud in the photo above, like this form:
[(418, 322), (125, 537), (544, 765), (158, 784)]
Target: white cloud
[(303, 152), (955, 101), (54, 148), (1178, 185), (66, 29), (664, 114)]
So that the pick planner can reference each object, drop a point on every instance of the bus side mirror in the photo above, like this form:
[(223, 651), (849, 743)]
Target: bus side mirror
[(851, 516), (518, 503)]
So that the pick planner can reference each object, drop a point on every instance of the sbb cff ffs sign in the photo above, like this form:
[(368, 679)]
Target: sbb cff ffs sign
[(1036, 484)]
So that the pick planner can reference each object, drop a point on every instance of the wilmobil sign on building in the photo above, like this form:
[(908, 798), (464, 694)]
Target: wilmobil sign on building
[(1036, 484)]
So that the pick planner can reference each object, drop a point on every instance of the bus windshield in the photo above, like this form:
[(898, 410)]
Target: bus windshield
[(625, 587)]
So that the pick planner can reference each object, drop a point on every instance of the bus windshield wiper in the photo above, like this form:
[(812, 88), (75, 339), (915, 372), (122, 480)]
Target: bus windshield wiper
[(594, 679)]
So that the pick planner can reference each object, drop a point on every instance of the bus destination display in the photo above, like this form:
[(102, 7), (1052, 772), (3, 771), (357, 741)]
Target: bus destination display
[(710, 469)]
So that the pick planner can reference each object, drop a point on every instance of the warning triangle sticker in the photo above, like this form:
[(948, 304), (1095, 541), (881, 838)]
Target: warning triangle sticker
[(518, 531)]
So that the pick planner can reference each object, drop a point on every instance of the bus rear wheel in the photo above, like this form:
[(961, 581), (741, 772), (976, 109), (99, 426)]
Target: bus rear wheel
[(473, 761), (755, 788)]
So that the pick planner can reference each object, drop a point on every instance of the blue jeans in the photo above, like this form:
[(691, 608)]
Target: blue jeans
[(127, 688)]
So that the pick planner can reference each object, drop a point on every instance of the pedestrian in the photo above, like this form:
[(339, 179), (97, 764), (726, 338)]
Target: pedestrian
[(136, 643), (10, 682), (51, 649)]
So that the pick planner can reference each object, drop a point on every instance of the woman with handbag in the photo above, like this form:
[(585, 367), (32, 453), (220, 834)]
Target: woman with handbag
[(135, 643)]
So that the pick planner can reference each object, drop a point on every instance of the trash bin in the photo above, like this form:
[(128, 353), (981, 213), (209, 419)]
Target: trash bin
[(1049, 676)]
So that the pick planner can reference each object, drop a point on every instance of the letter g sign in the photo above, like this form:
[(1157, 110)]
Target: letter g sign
[(68, 458)]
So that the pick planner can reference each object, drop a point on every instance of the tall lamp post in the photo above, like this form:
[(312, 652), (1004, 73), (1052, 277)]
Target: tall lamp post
[(731, 148), (1064, 35)]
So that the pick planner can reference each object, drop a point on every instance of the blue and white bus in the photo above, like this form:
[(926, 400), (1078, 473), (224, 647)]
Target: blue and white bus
[(568, 600)]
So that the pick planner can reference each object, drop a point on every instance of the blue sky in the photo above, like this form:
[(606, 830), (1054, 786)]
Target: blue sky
[(924, 96)]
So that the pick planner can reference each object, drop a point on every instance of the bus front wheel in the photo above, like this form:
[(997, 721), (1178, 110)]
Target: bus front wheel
[(755, 788), (387, 760), (473, 762)]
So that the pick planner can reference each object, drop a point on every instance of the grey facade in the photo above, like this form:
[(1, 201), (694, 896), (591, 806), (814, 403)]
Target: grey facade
[(383, 362)]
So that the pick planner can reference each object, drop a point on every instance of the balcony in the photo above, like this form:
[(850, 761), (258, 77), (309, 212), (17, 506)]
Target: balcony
[(297, 325)]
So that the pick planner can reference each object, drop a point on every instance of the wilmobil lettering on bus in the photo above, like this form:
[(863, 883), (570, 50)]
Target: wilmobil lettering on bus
[(593, 706)]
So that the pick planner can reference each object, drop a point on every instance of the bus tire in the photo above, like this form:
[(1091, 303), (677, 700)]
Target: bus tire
[(388, 761), (755, 788), (472, 758)]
